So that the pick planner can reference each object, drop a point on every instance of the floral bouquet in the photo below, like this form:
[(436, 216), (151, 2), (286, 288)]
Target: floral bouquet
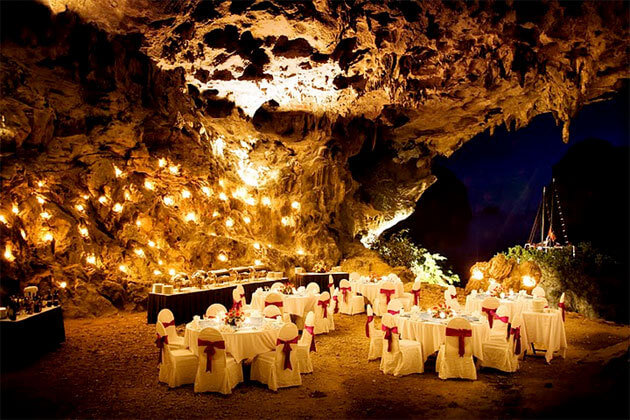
[(441, 311), (374, 278), (496, 290), (320, 267), (287, 288), (233, 316)]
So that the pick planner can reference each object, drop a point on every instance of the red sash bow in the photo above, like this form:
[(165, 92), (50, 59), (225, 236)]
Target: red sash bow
[(461, 334), (416, 296), (210, 350), (516, 332), (237, 305), (491, 313), (561, 306), (388, 335), (159, 342), (393, 312), (272, 316), (311, 330), (388, 293), (324, 304), (287, 350), (336, 299), (345, 291), (172, 323), (278, 304), (370, 318), (453, 296)]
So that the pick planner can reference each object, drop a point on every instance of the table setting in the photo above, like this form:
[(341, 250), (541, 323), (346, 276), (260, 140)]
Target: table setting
[(369, 287), (516, 303), (296, 302)]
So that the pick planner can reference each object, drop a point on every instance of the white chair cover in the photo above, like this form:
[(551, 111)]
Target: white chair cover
[(498, 350), (312, 288), (277, 286), (307, 344), (215, 310), (399, 357), (241, 295), (322, 314), (394, 307), (166, 318), (562, 306), (386, 292), (488, 308), (223, 373), (450, 363), (273, 368), (349, 302), (450, 298), (333, 308), (275, 299), (415, 293), (354, 276), (177, 366), (538, 292), (375, 336), (272, 311)]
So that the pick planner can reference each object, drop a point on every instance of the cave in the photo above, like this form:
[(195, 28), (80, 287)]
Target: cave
[(162, 154)]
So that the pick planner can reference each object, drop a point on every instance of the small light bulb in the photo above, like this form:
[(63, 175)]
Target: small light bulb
[(207, 191), (222, 257), (139, 252), (102, 199), (91, 259), (256, 245), (118, 208), (246, 219), (222, 183), (149, 185), (40, 199), (295, 205), (122, 268), (127, 195), (162, 162), (229, 222), (15, 209), (300, 251), (83, 231), (250, 201), (216, 214), (3, 219), (266, 201), (191, 217), (48, 237), (138, 222), (168, 200), (185, 193), (40, 184), (285, 221), (8, 254), (85, 196), (223, 197), (79, 207), (257, 262), (173, 169), (23, 234), (151, 244), (63, 284), (171, 272), (160, 262), (118, 171), (45, 215), (157, 273)]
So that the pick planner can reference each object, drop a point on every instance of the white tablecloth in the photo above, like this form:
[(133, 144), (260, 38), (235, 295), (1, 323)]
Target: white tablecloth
[(371, 290), (432, 334), (515, 307), (546, 328), (298, 305), (240, 344)]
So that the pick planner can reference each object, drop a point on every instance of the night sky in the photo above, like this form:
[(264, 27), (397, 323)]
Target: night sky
[(504, 175)]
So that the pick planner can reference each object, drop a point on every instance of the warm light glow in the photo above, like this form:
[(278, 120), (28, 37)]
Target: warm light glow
[(191, 217), (266, 201), (85, 196), (138, 222), (160, 262), (529, 281), (477, 274), (47, 237), (240, 192), (118, 171), (223, 197), (185, 193), (79, 207), (295, 205), (285, 221), (122, 268), (157, 272), (40, 184), (206, 191), (127, 195), (102, 199), (91, 259), (15, 209), (300, 251), (256, 245), (3, 219), (83, 231), (40, 199), (151, 244), (382, 225), (63, 284), (162, 162), (45, 215), (168, 200), (118, 208), (149, 185), (174, 169), (257, 262), (218, 145), (221, 183), (250, 201), (216, 214), (246, 219), (222, 257), (8, 255), (229, 222), (23, 234), (139, 252), (171, 271)]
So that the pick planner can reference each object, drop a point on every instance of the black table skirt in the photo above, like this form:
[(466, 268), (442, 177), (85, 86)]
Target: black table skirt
[(186, 305), (26, 339), (302, 279)]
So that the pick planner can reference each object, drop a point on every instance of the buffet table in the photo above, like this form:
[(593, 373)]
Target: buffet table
[(185, 305), (29, 336), (302, 279)]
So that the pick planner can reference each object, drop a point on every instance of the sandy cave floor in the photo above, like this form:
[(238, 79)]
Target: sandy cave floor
[(107, 368)]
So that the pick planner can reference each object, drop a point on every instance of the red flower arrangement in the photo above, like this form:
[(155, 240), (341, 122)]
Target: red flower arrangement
[(320, 267), (287, 289), (233, 315), (374, 277), (441, 308), (496, 290)]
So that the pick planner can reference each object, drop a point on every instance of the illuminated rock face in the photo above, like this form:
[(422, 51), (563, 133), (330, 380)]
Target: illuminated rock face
[(144, 137)]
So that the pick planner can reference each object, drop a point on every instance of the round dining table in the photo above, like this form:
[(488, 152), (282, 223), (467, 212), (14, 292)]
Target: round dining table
[(298, 304), (516, 305), (371, 290)]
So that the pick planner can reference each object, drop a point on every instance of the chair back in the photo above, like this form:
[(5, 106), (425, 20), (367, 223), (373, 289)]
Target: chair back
[(416, 285), (319, 308), (451, 290), (538, 292), (354, 276), (385, 298), (309, 325), (488, 306), (287, 336), (388, 325), (274, 298), (452, 342), (393, 278), (215, 310), (344, 286), (167, 320), (211, 337), (370, 321), (499, 328), (561, 298), (394, 307), (301, 289), (241, 292), (312, 288), (162, 343), (272, 311), (236, 296), (277, 286)]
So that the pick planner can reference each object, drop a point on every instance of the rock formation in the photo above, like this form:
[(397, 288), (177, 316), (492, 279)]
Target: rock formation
[(141, 138)]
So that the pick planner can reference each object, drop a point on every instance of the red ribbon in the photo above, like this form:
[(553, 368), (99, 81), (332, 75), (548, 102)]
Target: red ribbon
[(336, 299), (159, 342), (210, 350), (461, 334), (287, 350), (370, 318), (393, 312), (388, 293), (324, 304), (516, 332), (453, 296), (272, 317), (388, 335), (237, 305), (278, 304), (311, 330), (491, 313), (416, 296), (561, 305), (345, 291), (170, 323)]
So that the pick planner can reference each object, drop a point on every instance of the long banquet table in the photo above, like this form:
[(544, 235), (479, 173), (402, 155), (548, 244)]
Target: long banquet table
[(185, 305), (302, 279)]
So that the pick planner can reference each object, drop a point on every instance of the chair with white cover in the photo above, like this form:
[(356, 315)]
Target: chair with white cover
[(272, 312), (279, 368), (354, 276), (394, 307), (215, 310), (561, 305), (322, 313), (277, 286), (333, 308), (538, 292), (331, 283), (307, 344), (216, 371), (312, 288), (167, 319), (415, 293), (450, 298), (177, 366), (498, 350), (241, 296), (489, 307), (375, 336), (238, 302), (349, 302), (455, 359), (275, 299), (399, 357), (386, 293)]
